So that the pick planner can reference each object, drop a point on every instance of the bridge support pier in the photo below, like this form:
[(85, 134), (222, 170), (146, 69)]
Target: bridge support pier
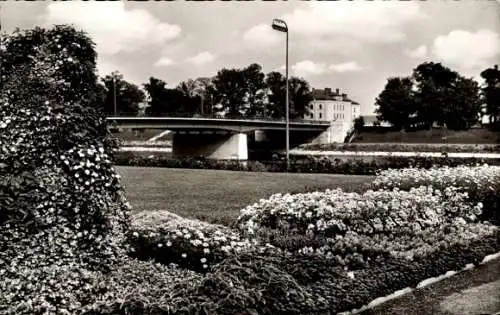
[(215, 145)]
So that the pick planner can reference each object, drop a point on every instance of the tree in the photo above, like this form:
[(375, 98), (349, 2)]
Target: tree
[(255, 90), (241, 92), (276, 83), (197, 92), (465, 105), (299, 95), (128, 95), (434, 90), (396, 103), (157, 95), (433, 94), (491, 93), (359, 123)]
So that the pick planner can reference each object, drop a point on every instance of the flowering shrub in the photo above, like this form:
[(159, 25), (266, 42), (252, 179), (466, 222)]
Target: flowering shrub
[(482, 183), (169, 238), (335, 212), (63, 215)]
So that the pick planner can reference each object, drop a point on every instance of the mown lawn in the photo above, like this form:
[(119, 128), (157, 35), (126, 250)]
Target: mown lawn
[(218, 196)]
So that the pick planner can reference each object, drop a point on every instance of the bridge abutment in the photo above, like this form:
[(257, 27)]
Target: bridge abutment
[(335, 133), (212, 145)]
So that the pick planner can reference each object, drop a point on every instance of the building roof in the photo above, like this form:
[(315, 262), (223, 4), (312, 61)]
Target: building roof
[(329, 94)]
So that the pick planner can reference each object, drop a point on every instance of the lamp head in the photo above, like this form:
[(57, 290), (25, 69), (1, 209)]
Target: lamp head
[(280, 25)]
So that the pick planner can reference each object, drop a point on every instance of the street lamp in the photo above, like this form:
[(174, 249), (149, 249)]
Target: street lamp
[(114, 92), (280, 25)]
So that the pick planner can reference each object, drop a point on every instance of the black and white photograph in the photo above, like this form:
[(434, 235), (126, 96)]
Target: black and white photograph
[(250, 157)]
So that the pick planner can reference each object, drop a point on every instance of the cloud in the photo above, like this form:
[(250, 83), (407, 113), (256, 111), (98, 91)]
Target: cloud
[(308, 67), (201, 58), (379, 22), (417, 53), (262, 35), (468, 50), (164, 62), (112, 27), (234, 33), (350, 66)]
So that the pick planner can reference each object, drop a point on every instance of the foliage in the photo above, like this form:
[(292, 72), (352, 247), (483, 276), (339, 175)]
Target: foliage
[(465, 105), (300, 96), (62, 211), (359, 123), (404, 147), (128, 95), (481, 183), (434, 94), (334, 213), (491, 93), (396, 104), (193, 244), (239, 91), (311, 164), (199, 91), (165, 101)]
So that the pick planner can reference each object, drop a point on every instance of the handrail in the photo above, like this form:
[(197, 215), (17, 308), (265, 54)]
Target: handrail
[(215, 117)]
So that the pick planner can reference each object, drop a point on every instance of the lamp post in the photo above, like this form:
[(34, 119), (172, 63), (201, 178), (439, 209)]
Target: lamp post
[(114, 92), (281, 26)]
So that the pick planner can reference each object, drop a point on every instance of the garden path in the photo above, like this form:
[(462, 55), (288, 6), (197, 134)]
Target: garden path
[(472, 292)]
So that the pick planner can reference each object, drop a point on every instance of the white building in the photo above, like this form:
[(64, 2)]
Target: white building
[(328, 105)]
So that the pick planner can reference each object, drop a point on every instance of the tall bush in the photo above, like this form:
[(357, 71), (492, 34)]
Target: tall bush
[(61, 203)]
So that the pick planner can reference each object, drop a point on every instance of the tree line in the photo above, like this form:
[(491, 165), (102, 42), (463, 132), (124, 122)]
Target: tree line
[(436, 95), (245, 92)]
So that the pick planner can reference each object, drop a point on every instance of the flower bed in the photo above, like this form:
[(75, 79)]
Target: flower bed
[(169, 238), (482, 183)]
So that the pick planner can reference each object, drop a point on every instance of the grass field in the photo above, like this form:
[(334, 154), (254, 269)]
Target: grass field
[(218, 196), (436, 135)]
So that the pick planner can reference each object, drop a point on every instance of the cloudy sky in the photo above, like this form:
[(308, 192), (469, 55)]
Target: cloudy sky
[(354, 46)]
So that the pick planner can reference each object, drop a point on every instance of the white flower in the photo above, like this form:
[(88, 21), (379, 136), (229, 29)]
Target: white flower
[(169, 243), (135, 234), (203, 260), (184, 255), (160, 245)]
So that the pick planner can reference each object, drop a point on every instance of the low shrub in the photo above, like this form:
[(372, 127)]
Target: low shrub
[(405, 147), (169, 238), (352, 166), (482, 183), (335, 212), (277, 283)]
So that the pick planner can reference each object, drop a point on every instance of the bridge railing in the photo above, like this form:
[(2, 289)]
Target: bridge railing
[(214, 116)]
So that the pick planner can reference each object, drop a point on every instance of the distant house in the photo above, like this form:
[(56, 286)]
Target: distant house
[(333, 106), (372, 120)]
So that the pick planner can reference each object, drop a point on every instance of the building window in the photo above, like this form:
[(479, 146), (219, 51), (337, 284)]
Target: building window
[(312, 115), (312, 106), (320, 115), (320, 106)]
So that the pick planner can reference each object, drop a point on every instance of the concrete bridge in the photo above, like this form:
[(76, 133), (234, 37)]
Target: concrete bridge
[(223, 138)]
